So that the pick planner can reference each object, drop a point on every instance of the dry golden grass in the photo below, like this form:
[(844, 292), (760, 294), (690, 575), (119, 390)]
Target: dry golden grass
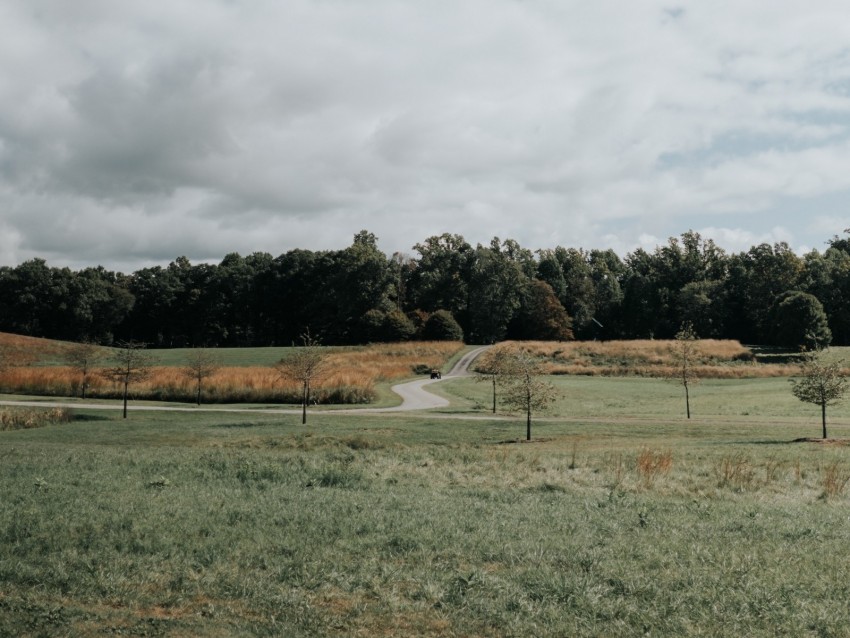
[(354, 374), (33, 343), (716, 359), (17, 350), (24, 419), (650, 464)]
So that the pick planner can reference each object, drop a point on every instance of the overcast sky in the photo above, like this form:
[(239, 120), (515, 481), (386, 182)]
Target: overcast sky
[(135, 132)]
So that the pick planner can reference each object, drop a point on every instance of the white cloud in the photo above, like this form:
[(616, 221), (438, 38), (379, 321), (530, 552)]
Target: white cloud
[(142, 132)]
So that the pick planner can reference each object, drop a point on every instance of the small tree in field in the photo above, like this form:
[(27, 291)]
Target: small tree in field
[(201, 364), (493, 366), (524, 390), (305, 365), (685, 356), (131, 365), (823, 384), (82, 357)]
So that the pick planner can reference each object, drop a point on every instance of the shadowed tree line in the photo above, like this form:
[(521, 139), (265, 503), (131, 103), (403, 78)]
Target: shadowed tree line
[(445, 289)]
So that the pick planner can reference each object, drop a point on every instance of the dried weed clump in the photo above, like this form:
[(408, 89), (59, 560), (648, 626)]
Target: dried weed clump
[(16, 419), (651, 464), (736, 472), (834, 480)]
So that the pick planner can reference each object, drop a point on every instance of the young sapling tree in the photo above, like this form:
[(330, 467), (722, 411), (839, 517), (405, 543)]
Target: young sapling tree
[(524, 390), (131, 365), (305, 365), (685, 357), (493, 366), (83, 357), (201, 364), (821, 383)]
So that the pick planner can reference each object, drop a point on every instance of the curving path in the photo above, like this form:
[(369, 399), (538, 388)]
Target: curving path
[(413, 397), (413, 394)]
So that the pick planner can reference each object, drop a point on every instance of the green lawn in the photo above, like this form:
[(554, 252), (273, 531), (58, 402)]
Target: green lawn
[(216, 524), (743, 400)]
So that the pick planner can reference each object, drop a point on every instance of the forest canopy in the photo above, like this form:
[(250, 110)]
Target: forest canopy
[(446, 288)]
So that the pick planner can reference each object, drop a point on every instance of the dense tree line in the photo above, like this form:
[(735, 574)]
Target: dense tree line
[(446, 289)]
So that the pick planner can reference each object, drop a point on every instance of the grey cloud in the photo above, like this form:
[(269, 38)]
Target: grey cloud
[(141, 132)]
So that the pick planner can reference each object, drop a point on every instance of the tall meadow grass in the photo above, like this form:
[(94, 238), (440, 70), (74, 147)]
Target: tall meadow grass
[(355, 372), (715, 359)]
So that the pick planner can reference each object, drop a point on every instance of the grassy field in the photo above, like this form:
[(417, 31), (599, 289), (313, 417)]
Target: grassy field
[(620, 518), (357, 374), (623, 397), (215, 524)]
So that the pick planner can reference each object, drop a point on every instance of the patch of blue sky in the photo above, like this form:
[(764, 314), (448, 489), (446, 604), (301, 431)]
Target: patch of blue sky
[(814, 130)]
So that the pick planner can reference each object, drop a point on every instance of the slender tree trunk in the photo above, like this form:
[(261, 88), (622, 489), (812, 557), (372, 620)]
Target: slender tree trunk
[(823, 417), (494, 394), (305, 397), (198, 396), (126, 384), (687, 402), (528, 408)]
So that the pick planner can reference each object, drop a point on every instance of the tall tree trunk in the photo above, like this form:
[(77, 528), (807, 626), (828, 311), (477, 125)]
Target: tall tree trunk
[(494, 394), (687, 402), (198, 396), (305, 397), (528, 408), (126, 384), (823, 417)]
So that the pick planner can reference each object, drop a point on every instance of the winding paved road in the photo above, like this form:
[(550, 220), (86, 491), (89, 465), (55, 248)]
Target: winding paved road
[(413, 395)]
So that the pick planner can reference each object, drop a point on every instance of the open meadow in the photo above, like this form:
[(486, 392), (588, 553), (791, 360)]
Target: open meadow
[(620, 518), (217, 524)]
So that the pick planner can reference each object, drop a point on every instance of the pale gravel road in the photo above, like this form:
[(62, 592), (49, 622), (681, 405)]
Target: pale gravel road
[(413, 394)]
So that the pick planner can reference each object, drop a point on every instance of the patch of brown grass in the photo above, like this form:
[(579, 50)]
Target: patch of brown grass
[(715, 359), (17, 350), (353, 377), (835, 478), (651, 464), (20, 419)]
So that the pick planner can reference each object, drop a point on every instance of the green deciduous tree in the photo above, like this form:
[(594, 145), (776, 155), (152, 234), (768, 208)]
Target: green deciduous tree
[(800, 321), (754, 281), (440, 278), (821, 383), (441, 326), (497, 283), (542, 317)]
